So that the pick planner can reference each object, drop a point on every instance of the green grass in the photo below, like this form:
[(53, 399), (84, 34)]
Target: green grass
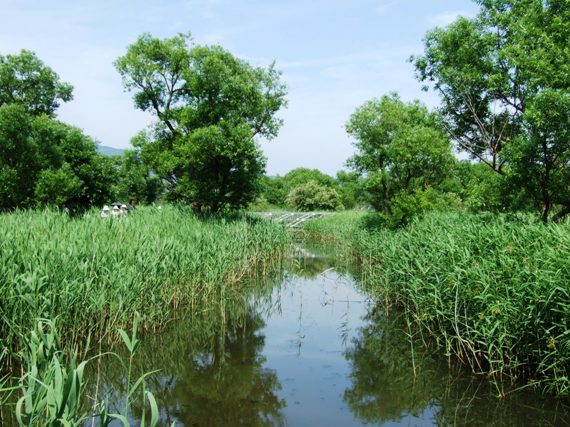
[(490, 290), (92, 275)]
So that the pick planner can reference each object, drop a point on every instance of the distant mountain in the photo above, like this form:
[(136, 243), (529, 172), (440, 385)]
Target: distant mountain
[(110, 151)]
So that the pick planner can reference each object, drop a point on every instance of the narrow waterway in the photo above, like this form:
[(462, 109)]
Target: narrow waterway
[(308, 348)]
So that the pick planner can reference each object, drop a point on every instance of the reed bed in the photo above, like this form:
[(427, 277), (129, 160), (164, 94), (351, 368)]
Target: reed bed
[(92, 275), (490, 290)]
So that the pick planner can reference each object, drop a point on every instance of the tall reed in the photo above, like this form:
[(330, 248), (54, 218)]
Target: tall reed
[(94, 274), (52, 389), (491, 290)]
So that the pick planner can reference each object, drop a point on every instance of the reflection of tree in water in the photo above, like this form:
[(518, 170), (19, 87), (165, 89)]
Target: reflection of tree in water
[(229, 386), (312, 259), (211, 369), (308, 268), (384, 387)]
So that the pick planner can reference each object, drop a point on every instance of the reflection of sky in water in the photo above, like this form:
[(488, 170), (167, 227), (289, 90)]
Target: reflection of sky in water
[(305, 343)]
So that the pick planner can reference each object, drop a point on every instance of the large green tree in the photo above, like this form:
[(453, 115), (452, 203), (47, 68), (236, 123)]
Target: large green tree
[(211, 107), (27, 81), (42, 160), (403, 154), (504, 79), (135, 180)]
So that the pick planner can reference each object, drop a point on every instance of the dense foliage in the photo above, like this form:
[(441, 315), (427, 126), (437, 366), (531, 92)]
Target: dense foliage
[(94, 274), (46, 162), (210, 107), (313, 196), (403, 154), (504, 81), (300, 188), (489, 289), (26, 81), (42, 160), (133, 179)]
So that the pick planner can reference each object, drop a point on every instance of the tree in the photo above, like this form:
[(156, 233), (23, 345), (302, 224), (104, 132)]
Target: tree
[(276, 189), (25, 80), (73, 174), (46, 162), (210, 107), (134, 178), (19, 158), (273, 190), (351, 189), (504, 82), (300, 176), (42, 160), (402, 151), (312, 196)]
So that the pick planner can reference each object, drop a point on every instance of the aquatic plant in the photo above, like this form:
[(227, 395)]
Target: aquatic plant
[(51, 390), (94, 274), (490, 290)]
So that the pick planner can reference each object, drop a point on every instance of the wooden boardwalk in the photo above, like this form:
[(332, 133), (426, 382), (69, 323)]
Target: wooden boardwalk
[(293, 219)]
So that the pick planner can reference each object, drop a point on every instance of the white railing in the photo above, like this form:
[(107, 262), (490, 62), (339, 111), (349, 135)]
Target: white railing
[(293, 219)]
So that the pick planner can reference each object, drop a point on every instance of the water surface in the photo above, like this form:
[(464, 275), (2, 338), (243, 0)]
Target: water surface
[(307, 347)]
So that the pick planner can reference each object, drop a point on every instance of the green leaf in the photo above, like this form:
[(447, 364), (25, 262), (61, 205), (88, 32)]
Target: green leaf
[(153, 409)]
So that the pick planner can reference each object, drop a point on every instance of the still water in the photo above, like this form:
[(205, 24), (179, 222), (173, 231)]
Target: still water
[(307, 347)]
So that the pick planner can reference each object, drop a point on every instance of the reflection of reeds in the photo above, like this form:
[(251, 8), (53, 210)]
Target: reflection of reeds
[(490, 290), (93, 274), (392, 380), (210, 365)]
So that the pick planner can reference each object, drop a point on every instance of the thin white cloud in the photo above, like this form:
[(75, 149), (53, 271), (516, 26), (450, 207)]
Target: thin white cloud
[(385, 6), (446, 18)]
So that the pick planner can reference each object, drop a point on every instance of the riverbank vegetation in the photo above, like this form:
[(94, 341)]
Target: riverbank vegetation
[(488, 289), (92, 275), (457, 244), (475, 254)]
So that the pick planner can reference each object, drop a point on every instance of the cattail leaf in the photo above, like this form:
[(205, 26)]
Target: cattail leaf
[(126, 339), (121, 418), (153, 409)]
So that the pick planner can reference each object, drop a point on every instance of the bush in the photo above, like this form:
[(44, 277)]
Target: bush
[(313, 196)]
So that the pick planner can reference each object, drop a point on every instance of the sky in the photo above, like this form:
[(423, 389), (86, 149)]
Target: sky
[(334, 56)]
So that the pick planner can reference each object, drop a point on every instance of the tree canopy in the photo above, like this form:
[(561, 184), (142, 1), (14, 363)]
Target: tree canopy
[(401, 151), (504, 79), (210, 107), (281, 191), (25, 80), (312, 195), (42, 160)]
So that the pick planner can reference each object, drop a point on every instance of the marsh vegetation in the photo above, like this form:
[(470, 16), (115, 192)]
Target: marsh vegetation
[(489, 290)]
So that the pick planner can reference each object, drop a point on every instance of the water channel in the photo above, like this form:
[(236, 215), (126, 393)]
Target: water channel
[(309, 348)]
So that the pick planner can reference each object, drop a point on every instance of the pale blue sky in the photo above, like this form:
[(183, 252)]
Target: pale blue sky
[(334, 55)]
